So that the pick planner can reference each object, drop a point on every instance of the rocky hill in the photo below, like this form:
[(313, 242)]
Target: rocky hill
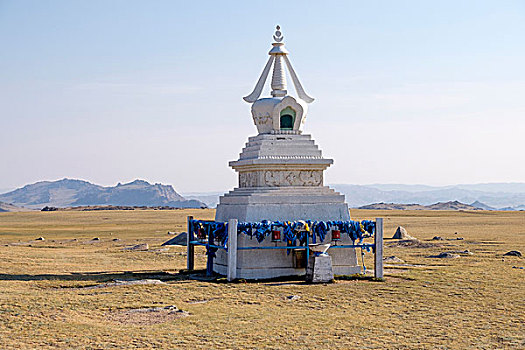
[(71, 193), (452, 205), (393, 206), (483, 206)]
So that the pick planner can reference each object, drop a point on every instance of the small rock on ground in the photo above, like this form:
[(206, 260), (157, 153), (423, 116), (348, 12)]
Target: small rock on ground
[(437, 238), (143, 246), (119, 283), (156, 309), (198, 301), (513, 253), (40, 239), (95, 239), (393, 259), (293, 297), (445, 255), (462, 252)]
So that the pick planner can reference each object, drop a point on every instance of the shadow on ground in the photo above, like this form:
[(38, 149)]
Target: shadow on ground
[(182, 275), (102, 276)]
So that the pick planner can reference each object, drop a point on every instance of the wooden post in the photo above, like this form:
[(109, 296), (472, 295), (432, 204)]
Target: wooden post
[(232, 249), (210, 252), (190, 248), (307, 250), (378, 252)]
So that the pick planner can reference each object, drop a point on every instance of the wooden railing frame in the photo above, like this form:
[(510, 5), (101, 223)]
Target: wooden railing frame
[(232, 249)]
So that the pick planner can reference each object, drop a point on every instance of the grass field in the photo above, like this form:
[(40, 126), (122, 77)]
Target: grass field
[(58, 293)]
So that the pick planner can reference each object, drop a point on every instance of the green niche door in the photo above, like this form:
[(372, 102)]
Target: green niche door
[(287, 118)]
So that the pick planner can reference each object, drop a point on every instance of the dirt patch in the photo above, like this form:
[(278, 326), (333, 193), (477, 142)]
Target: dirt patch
[(146, 316), (119, 283), (199, 301)]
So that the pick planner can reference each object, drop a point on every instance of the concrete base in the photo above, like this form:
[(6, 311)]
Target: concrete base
[(319, 269), (282, 203), (253, 205)]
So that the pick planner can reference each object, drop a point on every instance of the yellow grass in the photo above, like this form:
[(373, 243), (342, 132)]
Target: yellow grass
[(473, 302)]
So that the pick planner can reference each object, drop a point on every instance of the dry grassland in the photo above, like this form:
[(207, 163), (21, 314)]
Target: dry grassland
[(61, 292)]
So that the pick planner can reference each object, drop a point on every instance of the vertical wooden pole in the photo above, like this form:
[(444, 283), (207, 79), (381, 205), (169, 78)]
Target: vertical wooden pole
[(378, 254), (232, 249), (307, 250), (209, 251), (190, 253)]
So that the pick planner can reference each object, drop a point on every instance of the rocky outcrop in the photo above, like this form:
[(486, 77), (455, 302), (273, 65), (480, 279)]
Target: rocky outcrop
[(513, 253), (9, 207), (401, 233)]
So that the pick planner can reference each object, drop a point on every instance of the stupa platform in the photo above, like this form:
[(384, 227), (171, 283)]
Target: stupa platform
[(251, 204)]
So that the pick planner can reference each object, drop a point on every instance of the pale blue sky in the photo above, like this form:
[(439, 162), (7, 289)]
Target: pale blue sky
[(406, 91)]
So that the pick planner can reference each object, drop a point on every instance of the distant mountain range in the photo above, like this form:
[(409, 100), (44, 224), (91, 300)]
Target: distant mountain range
[(453, 205), (498, 196), (489, 196), (504, 187), (70, 193)]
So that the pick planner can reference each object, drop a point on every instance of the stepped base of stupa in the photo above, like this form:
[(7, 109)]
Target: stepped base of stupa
[(254, 204), (282, 203)]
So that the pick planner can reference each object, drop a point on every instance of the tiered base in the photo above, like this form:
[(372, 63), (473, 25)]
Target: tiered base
[(253, 204)]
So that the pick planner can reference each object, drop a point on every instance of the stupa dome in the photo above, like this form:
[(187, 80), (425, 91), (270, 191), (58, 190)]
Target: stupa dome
[(280, 113)]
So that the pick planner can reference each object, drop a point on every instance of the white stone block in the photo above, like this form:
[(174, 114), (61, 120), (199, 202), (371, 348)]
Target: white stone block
[(319, 269)]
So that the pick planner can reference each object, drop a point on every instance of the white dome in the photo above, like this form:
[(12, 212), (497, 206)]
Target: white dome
[(267, 114)]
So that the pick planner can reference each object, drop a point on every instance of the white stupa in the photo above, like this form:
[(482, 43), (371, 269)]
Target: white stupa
[(281, 169), (280, 174)]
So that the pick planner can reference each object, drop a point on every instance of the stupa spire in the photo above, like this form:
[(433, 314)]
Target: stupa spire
[(278, 58), (279, 75)]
